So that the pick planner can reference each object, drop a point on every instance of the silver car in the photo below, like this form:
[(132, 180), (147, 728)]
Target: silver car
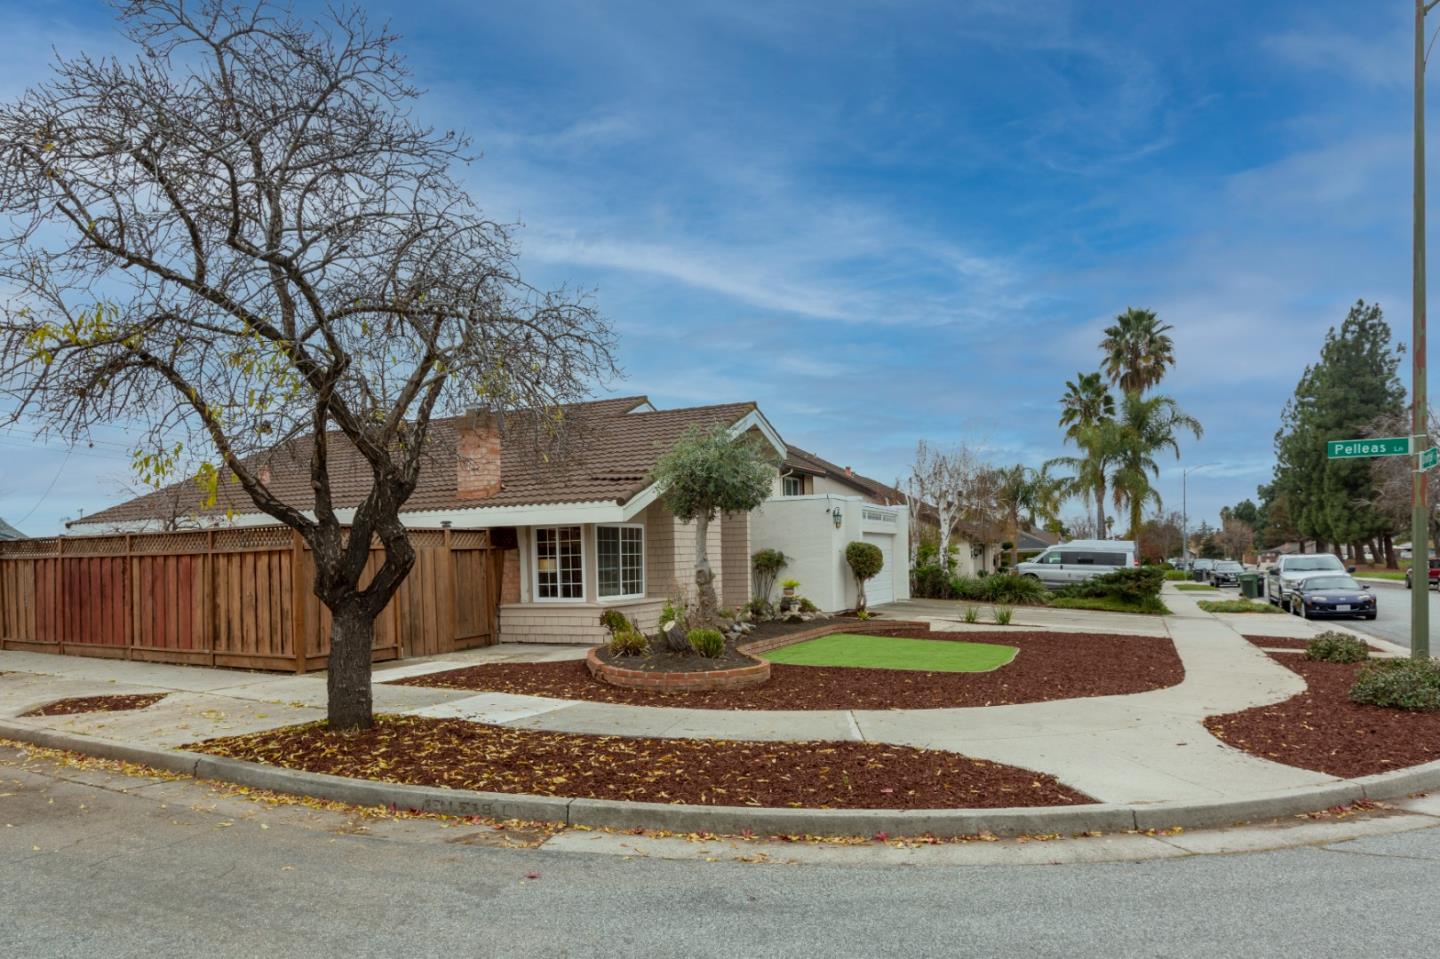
[(1078, 561)]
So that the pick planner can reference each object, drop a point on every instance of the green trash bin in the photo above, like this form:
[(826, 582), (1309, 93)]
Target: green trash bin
[(1249, 585)]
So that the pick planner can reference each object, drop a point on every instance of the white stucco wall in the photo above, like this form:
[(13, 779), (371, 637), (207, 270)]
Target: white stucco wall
[(803, 528)]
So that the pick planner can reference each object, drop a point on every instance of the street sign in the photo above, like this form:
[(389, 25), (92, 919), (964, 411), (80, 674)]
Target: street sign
[(1380, 446), (1430, 458)]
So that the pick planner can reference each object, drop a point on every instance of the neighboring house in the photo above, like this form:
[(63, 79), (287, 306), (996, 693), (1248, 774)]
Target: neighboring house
[(8, 532), (582, 529), (1032, 541)]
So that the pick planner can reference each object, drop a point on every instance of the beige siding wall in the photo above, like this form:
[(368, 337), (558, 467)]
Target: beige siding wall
[(735, 558), (570, 623)]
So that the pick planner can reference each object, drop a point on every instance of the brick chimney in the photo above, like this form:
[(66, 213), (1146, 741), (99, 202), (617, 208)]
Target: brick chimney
[(477, 456)]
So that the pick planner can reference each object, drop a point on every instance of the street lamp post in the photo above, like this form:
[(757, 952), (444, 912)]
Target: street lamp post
[(1419, 502), (1185, 508)]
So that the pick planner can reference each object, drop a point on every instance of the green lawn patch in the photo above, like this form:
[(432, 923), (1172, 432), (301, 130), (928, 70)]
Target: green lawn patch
[(1151, 606), (1236, 606), (1382, 574), (890, 652), (1196, 587)]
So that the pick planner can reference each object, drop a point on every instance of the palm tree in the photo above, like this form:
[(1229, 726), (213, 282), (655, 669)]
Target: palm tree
[(1085, 407), (1137, 350), (1087, 401), (1035, 494), (1146, 426)]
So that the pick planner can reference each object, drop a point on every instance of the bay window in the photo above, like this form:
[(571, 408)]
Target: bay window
[(620, 561)]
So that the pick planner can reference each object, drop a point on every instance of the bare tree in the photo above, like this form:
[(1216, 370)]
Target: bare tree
[(242, 236), (952, 483), (1393, 483), (1236, 537)]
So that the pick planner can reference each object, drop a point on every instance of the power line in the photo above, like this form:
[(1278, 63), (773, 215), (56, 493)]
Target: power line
[(46, 494)]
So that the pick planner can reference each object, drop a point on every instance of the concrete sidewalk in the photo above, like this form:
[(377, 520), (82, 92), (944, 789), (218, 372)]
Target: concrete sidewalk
[(1143, 748)]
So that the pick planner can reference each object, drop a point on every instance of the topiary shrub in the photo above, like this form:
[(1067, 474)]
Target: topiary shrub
[(1337, 647), (709, 643), (1012, 590), (1399, 684), (629, 642), (614, 621), (865, 561)]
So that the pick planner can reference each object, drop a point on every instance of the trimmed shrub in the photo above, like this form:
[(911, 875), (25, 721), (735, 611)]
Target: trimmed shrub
[(709, 643), (765, 565), (1176, 574), (1131, 586), (1399, 684), (1012, 590), (963, 587), (929, 582), (629, 642), (806, 606), (1333, 646), (1002, 615)]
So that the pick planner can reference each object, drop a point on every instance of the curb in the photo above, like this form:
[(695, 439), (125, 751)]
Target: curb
[(1014, 821)]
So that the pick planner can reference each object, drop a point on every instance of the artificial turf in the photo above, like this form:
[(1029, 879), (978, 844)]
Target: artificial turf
[(891, 652)]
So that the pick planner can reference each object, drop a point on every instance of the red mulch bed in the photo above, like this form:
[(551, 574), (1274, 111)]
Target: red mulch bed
[(834, 775), (95, 704), (1048, 666), (1278, 642), (1321, 729)]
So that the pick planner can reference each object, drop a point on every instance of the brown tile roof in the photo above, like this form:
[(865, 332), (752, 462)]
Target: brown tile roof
[(803, 461), (611, 447)]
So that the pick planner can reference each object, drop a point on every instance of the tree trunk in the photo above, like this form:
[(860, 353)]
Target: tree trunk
[(352, 634), (704, 576), (1014, 540), (1100, 509), (1391, 560), (944, 557)]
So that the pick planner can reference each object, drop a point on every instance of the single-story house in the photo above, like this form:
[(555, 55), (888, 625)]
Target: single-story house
[(584, 530), (9, 533)]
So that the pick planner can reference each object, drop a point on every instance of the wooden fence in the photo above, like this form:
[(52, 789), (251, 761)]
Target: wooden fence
[(233, 597)]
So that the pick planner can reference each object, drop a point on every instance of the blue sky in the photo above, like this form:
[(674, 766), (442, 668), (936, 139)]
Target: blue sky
[(893, 221)]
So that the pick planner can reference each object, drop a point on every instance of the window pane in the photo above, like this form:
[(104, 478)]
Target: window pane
[(558, 563), (620, 560)]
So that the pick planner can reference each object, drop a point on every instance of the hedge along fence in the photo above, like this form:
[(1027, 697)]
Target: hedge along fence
[(234, 597)]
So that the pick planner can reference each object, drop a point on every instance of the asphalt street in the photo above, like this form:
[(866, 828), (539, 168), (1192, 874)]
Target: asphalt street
[(120, 867), (1392, 604)]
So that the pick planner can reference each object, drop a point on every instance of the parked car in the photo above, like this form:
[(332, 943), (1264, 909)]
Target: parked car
[(1434, 574), (1329, 596), (1200, 569), (1290, 571), (1075, 562), (1226, 572)]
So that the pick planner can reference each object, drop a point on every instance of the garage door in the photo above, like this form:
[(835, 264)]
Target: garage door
[(881, 588)]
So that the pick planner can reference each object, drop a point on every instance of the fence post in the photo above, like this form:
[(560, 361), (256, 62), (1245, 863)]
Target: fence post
[(212, 624), (130, 631), (298, 636)]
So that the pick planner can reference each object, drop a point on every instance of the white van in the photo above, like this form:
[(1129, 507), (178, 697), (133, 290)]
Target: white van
[(1077, 561)]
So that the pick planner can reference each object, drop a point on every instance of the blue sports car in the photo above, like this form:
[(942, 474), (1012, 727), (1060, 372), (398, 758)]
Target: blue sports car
[(1317, 597)]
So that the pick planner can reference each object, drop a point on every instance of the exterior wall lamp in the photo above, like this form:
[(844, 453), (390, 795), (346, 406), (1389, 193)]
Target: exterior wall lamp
[(836, 515)]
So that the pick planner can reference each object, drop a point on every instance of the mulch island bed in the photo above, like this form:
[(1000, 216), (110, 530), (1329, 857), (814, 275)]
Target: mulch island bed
[(95, 704), (1048, 666), (459, 754), (662, 660), (1321, 729)]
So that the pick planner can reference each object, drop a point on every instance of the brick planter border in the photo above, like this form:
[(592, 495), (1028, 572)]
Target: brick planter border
[(740, 677)]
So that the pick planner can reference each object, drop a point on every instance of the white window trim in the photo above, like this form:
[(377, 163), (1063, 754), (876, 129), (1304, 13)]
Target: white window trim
[(595, 542), (535, 596)]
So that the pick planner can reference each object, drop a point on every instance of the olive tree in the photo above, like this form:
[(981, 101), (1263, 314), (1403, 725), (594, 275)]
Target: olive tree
[(243, 236), (706, 473), (865, 561)]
